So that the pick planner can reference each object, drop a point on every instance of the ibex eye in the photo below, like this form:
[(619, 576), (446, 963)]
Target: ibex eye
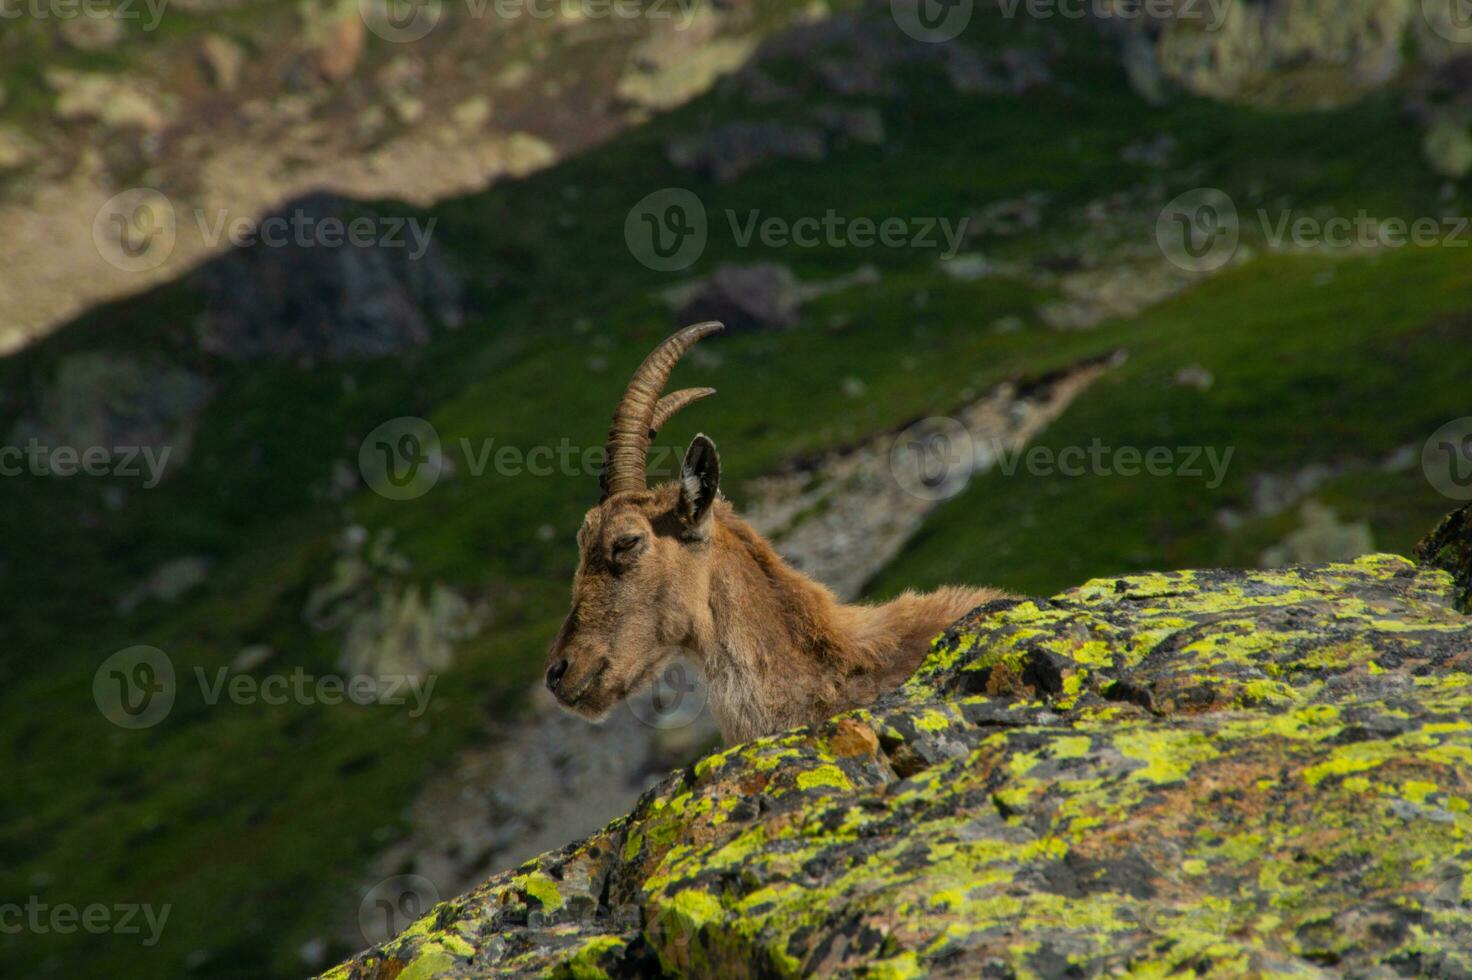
[(626, 543)]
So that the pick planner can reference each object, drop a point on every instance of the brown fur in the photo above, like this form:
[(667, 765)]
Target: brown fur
[(777, 648)]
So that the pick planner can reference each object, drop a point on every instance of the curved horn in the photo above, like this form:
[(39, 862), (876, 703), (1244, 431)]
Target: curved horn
[(628, 437), (672, 403)]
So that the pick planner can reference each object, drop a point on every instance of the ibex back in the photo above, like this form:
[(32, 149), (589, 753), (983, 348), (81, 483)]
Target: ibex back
[(673, 568)]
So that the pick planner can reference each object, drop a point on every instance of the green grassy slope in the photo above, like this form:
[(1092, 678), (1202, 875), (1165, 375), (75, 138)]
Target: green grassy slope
[(1307, 369), (252, 821)]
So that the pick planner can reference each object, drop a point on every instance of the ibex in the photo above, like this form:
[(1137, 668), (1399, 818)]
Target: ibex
[(673, 568)]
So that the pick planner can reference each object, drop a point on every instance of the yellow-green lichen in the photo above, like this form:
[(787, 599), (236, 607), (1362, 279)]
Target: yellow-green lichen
[(1168, 755), (829, 775), (432, 961), (543, 889), (1070, 747)]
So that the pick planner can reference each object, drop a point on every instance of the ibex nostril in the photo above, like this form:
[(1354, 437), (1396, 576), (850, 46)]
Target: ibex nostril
[(554, 674)]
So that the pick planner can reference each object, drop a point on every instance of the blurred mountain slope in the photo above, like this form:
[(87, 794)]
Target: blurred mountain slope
[(231, 109)]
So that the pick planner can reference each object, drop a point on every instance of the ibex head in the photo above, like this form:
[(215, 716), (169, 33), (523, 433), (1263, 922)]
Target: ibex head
[(645, 554)]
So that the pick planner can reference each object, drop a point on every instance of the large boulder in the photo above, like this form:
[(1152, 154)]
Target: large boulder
[(1318, 52), (310, 288), (760, 296), (1230, 772)]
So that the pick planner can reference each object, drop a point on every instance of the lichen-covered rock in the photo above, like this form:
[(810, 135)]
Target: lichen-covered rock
[(1223, 772), (760, 296), (1450, 547)]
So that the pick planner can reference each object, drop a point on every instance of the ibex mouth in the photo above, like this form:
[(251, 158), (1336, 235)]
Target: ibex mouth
[(571, 697)]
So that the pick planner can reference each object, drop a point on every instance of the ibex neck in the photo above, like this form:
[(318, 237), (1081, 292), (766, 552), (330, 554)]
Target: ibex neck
[(781, 646)]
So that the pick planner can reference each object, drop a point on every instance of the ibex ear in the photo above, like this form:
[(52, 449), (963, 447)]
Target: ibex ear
[(700, 480)]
